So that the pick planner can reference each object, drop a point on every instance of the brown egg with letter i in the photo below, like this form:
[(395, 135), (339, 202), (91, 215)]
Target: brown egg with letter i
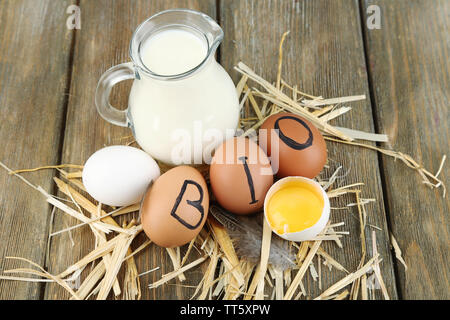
[(295, 145), (240, 175), (175, 207)]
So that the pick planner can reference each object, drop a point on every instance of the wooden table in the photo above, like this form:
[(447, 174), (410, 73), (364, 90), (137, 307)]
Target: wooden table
[(48, 76)]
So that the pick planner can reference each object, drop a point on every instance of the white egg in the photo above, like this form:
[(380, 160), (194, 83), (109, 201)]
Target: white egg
[(308, 233), (119, 175)]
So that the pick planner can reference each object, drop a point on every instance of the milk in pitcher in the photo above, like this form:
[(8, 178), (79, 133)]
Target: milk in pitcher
[(182, 125)]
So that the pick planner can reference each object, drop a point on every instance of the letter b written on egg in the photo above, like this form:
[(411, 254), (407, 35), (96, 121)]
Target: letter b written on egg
[(195, 203), (175, 208)]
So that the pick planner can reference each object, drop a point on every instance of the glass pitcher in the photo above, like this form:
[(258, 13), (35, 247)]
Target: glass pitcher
[(176, 118)]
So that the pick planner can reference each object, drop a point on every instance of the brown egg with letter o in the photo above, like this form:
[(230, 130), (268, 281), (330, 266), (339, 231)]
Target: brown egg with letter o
[(240, 175), (295, 145), (175, 207)]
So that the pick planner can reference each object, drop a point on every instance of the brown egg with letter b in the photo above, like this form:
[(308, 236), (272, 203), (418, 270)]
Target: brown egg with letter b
[(175, 207), (295, 145), (240, 175)]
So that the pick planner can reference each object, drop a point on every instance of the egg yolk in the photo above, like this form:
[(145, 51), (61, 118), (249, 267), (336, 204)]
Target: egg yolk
[(295, 207)]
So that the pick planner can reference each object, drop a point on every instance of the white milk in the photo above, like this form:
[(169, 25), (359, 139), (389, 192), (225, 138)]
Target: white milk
[(173, 52), (181, 116)]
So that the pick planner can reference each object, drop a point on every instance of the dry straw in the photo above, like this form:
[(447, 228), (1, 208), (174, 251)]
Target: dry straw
[(226, 275)]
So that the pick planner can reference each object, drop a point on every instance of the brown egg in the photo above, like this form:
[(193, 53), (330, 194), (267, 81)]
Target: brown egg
[(240, 176), (175, 208), (300, 147)]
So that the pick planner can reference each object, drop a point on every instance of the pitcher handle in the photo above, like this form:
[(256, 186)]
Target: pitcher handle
[(111, 77)]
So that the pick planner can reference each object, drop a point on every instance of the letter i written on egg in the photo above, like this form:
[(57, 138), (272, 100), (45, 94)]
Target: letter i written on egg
[(249, 179)]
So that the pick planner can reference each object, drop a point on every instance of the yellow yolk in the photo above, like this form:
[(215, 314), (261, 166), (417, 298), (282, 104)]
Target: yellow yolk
[(295, 207)]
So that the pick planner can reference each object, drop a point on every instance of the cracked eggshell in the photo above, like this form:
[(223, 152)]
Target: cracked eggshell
[(309, 233), (119, 175)]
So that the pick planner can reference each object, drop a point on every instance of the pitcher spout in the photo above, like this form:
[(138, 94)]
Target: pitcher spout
[(213, 33), (199, 23)]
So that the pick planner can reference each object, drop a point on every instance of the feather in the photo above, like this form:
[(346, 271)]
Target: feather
[(246, 233)]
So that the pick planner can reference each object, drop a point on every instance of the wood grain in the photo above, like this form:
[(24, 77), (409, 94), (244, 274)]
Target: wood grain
[(409, 66), (34, 66), (107, 28), (407, 61), (324, 55)]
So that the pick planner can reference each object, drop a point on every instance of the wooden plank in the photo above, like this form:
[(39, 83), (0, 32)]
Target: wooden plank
[(409, 67), (107, 28), (324, 55), (34, 68)]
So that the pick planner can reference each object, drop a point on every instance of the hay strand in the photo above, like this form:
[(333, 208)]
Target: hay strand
[(60, 166)]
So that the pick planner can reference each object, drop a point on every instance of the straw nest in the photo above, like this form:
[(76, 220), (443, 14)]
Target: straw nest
[(226, 275)]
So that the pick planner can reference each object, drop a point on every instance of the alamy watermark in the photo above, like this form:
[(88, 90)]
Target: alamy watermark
[(373, 17), (197, 146), (74, 20)]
